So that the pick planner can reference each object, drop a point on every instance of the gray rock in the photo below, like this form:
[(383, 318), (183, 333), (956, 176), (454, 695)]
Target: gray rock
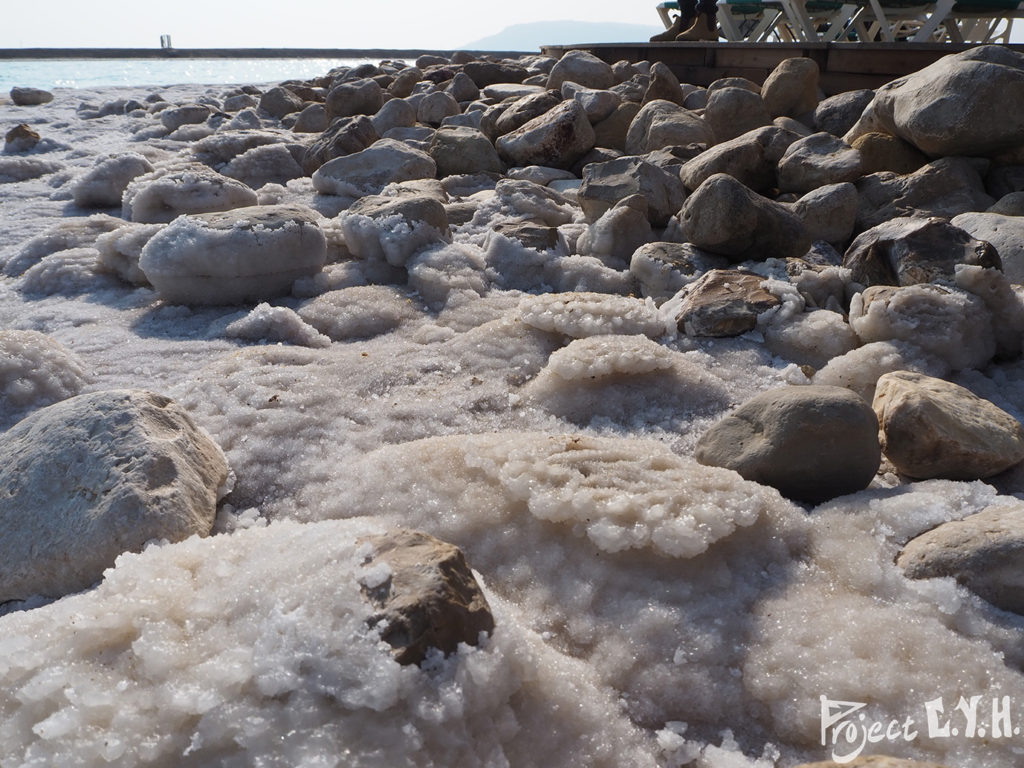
[(396, 113), (462, 88), (829, 212), (751, 159), (605, 184), (523, 110), (724, 217), (611, 132), (458, 150), (429, 599), (661, 124), (557, 138), (598, 105), (362, 97), (369, 171), (792, 88), (812, 443), (502, 91), (907, 251), (1004, 179), (240, 101), (95, 476), (732, 112), (404, 82), (583, 68), (312, 119), (617, 233), (665, 86), (344, 136), (983, 552), (433, 108), (279, 101), (723, 302), (1009, 205), (1004, 233), (190, 114), (485, 73), (882, 152), (21, 138), (818, 160), (839, 113), (29, 97), (933, 428), (661, 269), (734, 82)]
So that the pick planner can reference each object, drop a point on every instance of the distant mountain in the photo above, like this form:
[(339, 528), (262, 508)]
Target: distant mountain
[(530, 37)]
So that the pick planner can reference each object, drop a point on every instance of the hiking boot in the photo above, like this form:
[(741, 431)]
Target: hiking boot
[(679, 26), (705, 28)]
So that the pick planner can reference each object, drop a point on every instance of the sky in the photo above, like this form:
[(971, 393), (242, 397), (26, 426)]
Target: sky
[(441, 24)]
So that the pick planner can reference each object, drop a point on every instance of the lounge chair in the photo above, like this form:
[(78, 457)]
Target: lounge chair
[(752, 21)]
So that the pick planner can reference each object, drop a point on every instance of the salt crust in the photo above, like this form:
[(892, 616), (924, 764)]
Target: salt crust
[(582, 314), (35, 370), (276, 324)]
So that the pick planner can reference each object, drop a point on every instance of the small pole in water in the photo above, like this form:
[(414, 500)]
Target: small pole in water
[(165, 41)]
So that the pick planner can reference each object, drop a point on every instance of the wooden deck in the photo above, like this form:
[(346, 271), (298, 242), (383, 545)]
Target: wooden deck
[(844, 66)]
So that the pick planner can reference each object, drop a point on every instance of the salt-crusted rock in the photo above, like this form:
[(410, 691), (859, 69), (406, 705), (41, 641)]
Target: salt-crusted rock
[(24, 168), (1004, 233), (433, 108), (946, 187), (662, 124), (750, 158), (1002, 299), (521, 111), (359, 312), (484, 73), (557, 138), (393, 229), (225, 145), (811, 338), (21, 138), (312, 119), (605, 184), (457, 150), (233, 257), (873, 761), (950, 324), (724, 217), (279, 101), (269, 164), (580, 314), (934, 428), (120, 249), (35, 370), (424, 594), (583, 68), (442, 268), (722, 302), (343, 137), (362, 97), (665, 85), (983, 552), (97, 475), (829, 212), (367, 172), (812, 443), (275, 325), (66, 234), (104, 184), (611, 132), (837, 114), (907, 251), (190, 114), (732, 112), (526, 200), (882, 152), (617, 233), (860, 369), (29, 97), (661, 269), (954, 107), (792, 88), (817, 160), (240, 101), (155, 198)]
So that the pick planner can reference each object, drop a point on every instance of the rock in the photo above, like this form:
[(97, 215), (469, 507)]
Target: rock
[(723, 216), (946, 187), (665, 86), (583, 68), (952, 325), (30, 97), (933, 428), (246, 255), (605, 184), (662, 124), (362, 97), (194, 190), (792, 88), (874, 761), (523, 110), (120, 249), (369, 171), (829, 213), (723, 302), (190, 114), (1004, 233), (812, 443), (312, 119), (816, 161), (104, 184), (954, 107), (35, 370), (359, 312), (462, 88), (396, 113), (617, 233), (1004, 179), (983, 552), (811, 338), (661, 269), (501, 91), (344, 136), (732, 112), (751, 159), (882, 152), (457, 150), (839, 113), (485, 73), (391, 230), (611, 132), (908, 251), (598, 105), (278, 102), (240, 101), (425, 594), (21, 138), (433, 108), (404, 82), (734, 82), (557, 138), (97, 475)]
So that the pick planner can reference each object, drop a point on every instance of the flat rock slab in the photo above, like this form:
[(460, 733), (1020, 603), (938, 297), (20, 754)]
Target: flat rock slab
[(984, 552), (723, 302), (932, 428), (97, 475), (812, 443)]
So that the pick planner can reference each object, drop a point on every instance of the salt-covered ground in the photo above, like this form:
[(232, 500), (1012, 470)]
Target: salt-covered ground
[(649, 611)]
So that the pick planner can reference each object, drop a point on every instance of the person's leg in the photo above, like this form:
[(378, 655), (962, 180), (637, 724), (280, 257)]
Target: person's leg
[(687, 15), (705, 27)]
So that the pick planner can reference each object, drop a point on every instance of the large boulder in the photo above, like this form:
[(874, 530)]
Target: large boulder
[(812, 443), (1004, 233), (731, 112), (661, 124), (279, 101), (343, 137), (722, 302), (934, 428), (187, 114), (154, 199), (829, 213), (23, 96), (392, 229), (246, 255), (839, 113), (367, 172), (751, 158), (361, 97), (792, 88), (605, 184), (460, 149), (519, 112), (965, 104), (557, 138), (97, 475), (583, 68), (818, 160)]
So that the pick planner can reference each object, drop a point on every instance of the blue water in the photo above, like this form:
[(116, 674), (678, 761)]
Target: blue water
[(95, 73)]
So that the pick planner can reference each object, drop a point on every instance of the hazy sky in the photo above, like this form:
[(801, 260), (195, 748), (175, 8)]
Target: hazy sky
[(290, 23)]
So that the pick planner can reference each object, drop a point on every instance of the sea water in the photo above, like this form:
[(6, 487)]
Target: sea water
[(97, 73)]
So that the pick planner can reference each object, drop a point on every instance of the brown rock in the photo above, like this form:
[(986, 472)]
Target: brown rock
[(792, 88), (723, 302), (429, 600), (882, 152), (21, 138)]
